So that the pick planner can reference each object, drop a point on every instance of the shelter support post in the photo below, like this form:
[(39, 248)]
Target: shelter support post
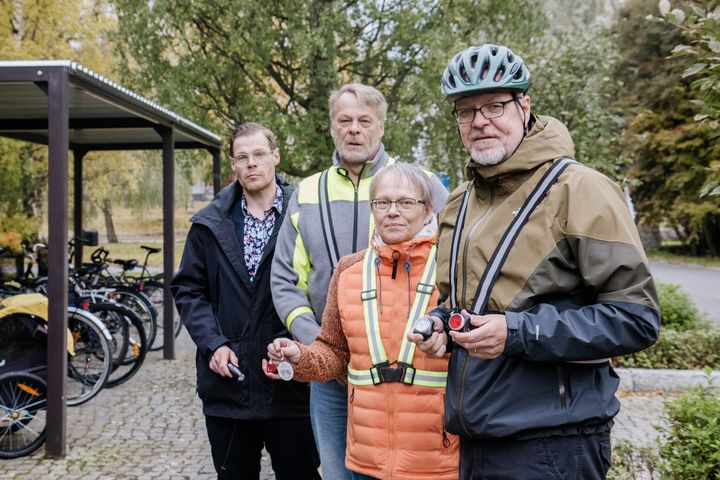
[(58, 144), (216, 170), (78, 155), (168, 155)]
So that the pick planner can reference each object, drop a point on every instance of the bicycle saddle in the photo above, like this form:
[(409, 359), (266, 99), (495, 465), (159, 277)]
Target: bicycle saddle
[(150, 249)]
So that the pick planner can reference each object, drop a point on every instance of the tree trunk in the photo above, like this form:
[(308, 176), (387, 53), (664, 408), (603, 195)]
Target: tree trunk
[(106, 208)]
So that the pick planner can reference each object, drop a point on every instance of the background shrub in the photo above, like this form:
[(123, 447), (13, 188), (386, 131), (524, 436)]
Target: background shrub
[(677, 311), (692, 349), (691, 448)]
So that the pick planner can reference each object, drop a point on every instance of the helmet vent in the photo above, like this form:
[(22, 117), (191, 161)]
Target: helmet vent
[(510, 57), (473, 60), (493, 50), (499, 73), (463, 73), (485, 69), (451, 81)]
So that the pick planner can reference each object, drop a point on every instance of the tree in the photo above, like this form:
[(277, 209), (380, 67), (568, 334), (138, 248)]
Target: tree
[(670, 151), (276, 62), (700, 23)]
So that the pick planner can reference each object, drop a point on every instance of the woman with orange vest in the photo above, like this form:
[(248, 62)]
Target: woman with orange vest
[(395, 399)]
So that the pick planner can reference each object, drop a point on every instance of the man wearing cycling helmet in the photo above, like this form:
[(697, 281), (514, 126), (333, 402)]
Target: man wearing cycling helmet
[(554, 284)]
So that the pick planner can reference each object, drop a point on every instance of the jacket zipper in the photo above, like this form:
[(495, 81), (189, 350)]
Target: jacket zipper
[(562, 391), (355, 205), (480, 220)]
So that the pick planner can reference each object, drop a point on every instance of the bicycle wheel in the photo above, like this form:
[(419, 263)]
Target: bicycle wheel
[(126, 365), (23, 414), (89, 367), (141, 305), (154, 291)]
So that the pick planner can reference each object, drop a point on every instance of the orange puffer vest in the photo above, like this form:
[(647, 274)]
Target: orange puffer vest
[(395, 430)]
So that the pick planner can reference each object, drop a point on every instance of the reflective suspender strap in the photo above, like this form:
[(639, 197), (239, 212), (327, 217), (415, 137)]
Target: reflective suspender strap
[(326, 220), (492, 271), (482, 295), (382, 371), (422, 298)]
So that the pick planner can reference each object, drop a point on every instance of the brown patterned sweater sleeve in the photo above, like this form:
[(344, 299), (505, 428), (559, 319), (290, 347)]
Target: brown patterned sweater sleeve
[(328, 356)]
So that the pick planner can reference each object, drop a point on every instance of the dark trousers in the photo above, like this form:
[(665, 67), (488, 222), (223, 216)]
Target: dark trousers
[(237, 445), (578, 457)]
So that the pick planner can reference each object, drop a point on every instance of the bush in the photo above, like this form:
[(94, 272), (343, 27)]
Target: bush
[(630, 462), (692, 349), (691, 448), (677, 311)]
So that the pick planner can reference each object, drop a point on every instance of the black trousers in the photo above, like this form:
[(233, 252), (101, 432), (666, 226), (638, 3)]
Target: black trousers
[(577, 457), (237, 446)]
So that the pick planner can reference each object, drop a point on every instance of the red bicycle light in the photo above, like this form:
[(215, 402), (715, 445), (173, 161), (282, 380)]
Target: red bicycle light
[(456, 321)]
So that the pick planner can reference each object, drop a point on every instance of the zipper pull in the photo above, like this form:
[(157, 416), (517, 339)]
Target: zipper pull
[(352, 395), (445, 439), (396, 257)]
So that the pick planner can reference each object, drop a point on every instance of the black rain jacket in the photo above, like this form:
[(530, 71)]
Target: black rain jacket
[(220, 306)]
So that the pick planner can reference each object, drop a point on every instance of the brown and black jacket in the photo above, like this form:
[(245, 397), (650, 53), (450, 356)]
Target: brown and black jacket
[(575, 287)]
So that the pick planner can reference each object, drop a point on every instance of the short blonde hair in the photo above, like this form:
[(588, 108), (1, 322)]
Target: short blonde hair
[(251, 128), (412, 173), (365, 93)]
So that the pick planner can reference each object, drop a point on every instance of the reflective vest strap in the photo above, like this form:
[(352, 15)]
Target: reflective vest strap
[(426, 378), (422, 298), (372, 326)]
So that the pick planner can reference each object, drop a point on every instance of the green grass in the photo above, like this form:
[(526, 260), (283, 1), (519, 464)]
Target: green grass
[(665, 256)]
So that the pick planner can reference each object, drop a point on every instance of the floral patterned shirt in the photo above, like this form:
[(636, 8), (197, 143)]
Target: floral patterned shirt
[(257, 232)]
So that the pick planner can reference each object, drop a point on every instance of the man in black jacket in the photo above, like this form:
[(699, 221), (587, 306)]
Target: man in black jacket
[(222, 292)]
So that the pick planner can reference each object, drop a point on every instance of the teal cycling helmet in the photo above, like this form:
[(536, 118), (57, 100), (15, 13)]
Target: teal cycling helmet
[(487, 68)]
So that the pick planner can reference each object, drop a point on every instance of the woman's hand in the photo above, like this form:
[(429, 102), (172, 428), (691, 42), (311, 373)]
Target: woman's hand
[(436, 344), (281, 350)]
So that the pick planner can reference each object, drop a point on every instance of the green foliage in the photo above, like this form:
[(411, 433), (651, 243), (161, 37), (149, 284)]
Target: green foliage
[(677, 310), (573, 84), (691, 447), (688, 350), (670, 150), (232, 61), (630, 462)]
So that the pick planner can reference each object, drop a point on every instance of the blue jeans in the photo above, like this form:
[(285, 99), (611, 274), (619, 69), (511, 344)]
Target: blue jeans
[(360, 476), (328, 415)]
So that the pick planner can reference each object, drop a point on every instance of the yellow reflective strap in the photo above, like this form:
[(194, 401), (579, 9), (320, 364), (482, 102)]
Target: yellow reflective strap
[(296, 313), (422, 298), (370, 309), (359, 377), (425, 378)]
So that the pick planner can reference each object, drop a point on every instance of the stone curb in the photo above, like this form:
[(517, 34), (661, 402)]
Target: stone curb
[(643, 380)]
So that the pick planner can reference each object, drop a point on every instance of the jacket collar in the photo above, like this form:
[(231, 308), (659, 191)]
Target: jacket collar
[(372, 166), (547, 140), (219, 209)]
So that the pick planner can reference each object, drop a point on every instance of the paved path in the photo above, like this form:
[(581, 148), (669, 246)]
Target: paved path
[(152, 428), (702, 283)]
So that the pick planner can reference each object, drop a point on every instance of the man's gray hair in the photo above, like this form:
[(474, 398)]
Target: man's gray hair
[(412, 173), (365, 93)]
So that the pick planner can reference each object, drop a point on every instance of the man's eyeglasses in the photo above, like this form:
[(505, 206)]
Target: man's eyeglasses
[(260, 156), (489, 111), (404, 204)]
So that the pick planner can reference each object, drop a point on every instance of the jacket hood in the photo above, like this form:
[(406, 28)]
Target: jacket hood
[(219, 208), (547, 140)]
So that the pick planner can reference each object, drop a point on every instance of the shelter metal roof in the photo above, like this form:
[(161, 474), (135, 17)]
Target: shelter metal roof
[(103, 114)]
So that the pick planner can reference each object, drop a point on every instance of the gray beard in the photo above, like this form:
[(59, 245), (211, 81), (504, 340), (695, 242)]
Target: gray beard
[(488, 157)]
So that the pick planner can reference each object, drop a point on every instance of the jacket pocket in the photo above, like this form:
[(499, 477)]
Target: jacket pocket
[(213, 388)]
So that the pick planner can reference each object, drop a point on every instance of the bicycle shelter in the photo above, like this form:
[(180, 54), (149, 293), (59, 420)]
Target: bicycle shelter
[(67, 107)]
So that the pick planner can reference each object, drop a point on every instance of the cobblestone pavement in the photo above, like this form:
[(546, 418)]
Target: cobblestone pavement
[(152, 428)]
